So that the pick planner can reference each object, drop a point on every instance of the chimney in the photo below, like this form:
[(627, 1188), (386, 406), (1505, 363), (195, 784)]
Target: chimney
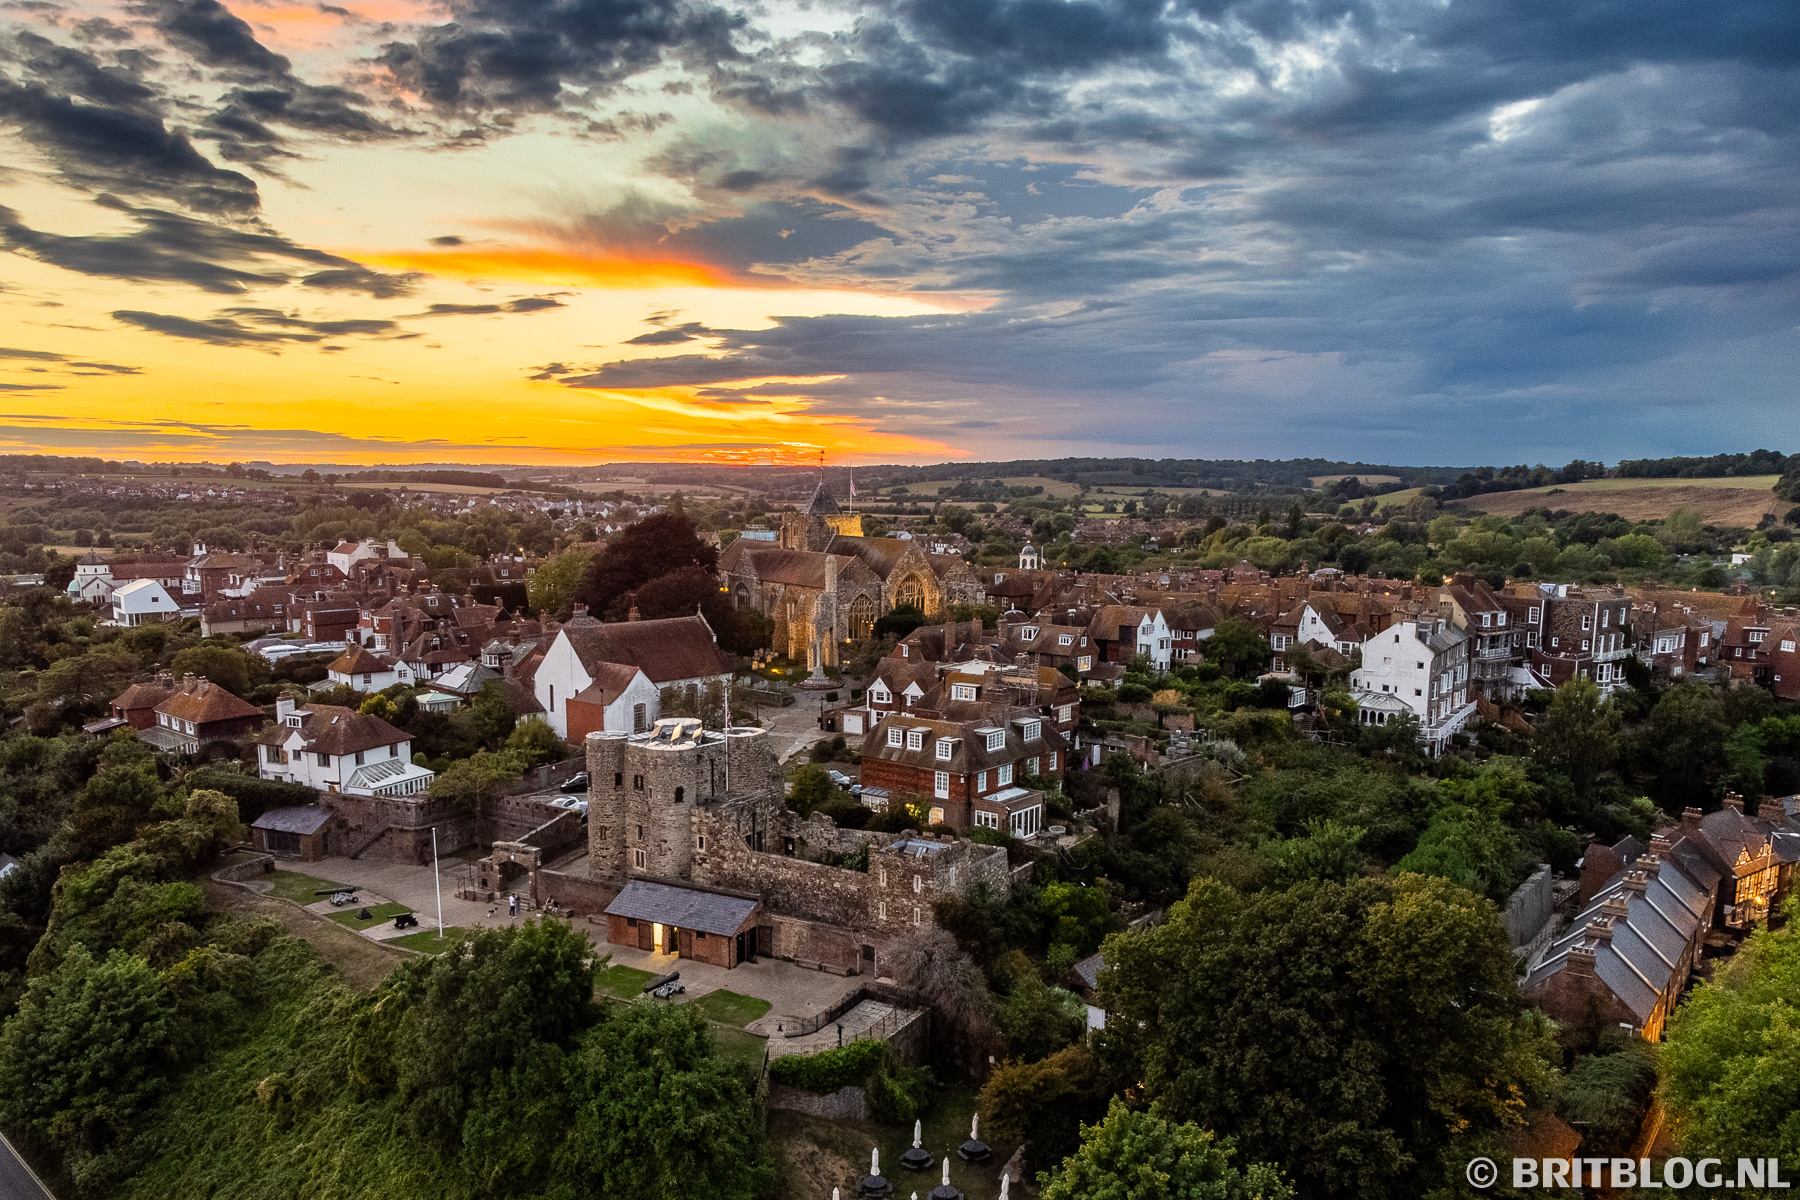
[(1613, 908), (1636, 881), (1690, 822), (1581, 959), (284, 708), (1734, 802), (1660, 845), (633, 614), (1650, 865), (1770, 809)]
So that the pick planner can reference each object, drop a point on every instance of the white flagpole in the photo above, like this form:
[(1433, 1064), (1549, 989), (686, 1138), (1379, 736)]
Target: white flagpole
[(437, 882)]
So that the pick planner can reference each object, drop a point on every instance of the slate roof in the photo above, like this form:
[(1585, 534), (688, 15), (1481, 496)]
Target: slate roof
[(684, 908), (665, 650), (1647, 944), (1089, 970), (305, 818)]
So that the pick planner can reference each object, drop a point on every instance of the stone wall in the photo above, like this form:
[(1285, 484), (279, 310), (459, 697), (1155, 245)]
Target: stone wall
[(252, 868), (845, 1104), (577, 895), (1530, 908)]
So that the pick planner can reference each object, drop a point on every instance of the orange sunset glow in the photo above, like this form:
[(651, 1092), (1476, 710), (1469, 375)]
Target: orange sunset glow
[(550, 266)]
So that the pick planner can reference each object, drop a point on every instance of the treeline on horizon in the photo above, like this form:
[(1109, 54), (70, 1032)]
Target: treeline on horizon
[(1296, 474)]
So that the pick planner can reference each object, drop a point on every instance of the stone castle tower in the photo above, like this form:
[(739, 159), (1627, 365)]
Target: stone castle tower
[(645, 792), (822, 519)]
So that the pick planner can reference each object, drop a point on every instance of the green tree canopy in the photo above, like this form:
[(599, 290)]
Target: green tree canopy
[(1141, 1156), (1346, 1031), (656, 546), (551, 589), (228, 667), (1731, 1063), (1237, 649), (87, 1052)]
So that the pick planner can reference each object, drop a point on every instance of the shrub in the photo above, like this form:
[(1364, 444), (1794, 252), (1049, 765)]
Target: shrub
[(829, 1070)]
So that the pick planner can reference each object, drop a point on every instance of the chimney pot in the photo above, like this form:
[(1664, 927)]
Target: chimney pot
[(1734, 801)]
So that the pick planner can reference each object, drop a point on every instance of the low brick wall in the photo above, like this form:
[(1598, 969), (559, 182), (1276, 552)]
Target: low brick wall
[(845, 1104)]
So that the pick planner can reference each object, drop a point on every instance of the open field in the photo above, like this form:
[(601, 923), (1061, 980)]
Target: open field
[(1739, 501), (1322, 480)]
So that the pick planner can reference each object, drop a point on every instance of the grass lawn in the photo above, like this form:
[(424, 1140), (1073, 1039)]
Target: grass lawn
[(379, 914), (729, 1008), (746, 1048), (427, 941), (627, 983), (301, 889)]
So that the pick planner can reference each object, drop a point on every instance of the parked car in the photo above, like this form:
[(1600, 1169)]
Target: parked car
[(577, 782), (839, 778)]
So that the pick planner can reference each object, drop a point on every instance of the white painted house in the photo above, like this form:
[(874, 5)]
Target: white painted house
[(676, 652), (337, 749), (142, 602), (1418, 667)]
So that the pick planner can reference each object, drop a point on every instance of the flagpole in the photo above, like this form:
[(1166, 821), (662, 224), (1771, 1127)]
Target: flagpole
[(436, 882)]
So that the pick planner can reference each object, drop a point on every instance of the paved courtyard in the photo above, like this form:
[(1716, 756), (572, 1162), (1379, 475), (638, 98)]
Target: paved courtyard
[(794, 993)]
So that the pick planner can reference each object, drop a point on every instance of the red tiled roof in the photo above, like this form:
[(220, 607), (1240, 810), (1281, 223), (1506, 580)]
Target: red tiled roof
[(201, 701), (143, 695), (666, 650)]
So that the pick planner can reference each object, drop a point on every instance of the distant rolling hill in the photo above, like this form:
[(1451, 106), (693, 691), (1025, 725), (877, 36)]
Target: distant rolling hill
[(1740, 500)]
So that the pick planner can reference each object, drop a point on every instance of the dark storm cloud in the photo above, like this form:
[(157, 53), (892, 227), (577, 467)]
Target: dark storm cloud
[(257, 328), (520, 54), (102, 128), (171, 248), (268, 94)]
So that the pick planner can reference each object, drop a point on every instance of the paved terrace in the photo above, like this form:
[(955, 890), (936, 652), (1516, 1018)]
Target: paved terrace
[(794, 993)]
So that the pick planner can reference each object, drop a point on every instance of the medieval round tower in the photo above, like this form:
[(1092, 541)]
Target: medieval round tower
[(644, 791)]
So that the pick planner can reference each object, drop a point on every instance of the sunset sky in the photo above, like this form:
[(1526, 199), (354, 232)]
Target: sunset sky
[(575, 231)]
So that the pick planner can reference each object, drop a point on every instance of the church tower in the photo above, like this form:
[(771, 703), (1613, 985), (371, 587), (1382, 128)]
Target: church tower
[(822, 519)]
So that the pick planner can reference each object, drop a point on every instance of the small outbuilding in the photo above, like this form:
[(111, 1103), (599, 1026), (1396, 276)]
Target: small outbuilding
[(301, 832), (713, 927)]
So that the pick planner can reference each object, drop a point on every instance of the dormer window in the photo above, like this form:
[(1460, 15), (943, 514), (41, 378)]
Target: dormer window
[(1030, 730), (996, 739), (962, 691), (945, 748), (915, 739), (894, 735), (1028, 633)]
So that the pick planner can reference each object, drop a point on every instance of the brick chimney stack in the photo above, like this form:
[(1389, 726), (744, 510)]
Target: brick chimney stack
[(1581, 959), (1690, 822), (1734, 801)]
